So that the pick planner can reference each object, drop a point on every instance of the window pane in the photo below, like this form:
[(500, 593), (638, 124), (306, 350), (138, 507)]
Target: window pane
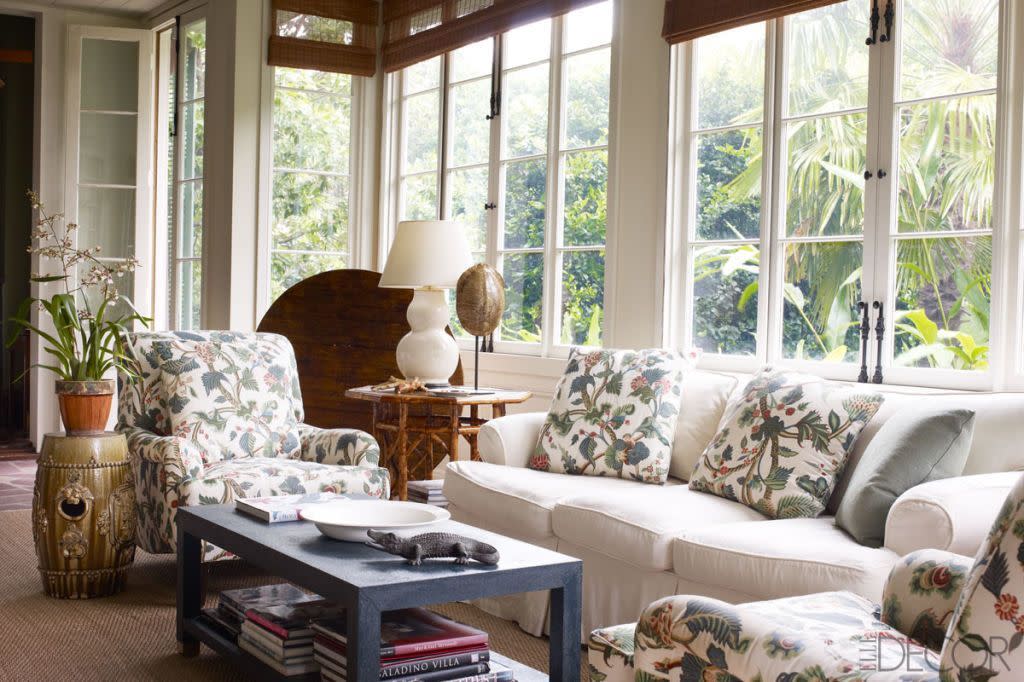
[(825, 181), (419, 197), (730, 77), (524, 116), (527, 44), (469, 128), (311, 131), (92, 296), (949, 47), (725, 295), (194, 143), (190, 294), (310, 212), (308, 79), (524, 281), (586, 198), (525, 203), (729, 184), (468, 195), (586, 99), (190, 236), (828, 60), (107, 149), (582, 297), (106, 218), (943, 302), (472, 61), (422, 76), (195, 61), (947, 164), (820, 292), (421, 120), (288, 269), (110, 75), (588, 27)]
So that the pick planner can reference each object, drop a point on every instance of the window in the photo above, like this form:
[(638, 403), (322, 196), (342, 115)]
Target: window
[(528, 179), (819, 172), (186, 182), (312, 129)]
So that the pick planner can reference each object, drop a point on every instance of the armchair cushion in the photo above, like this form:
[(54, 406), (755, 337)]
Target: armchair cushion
[(338, 446), (610, 654), (921, 594), (613, 414), (228, 480), (783, 443), (233, 395)]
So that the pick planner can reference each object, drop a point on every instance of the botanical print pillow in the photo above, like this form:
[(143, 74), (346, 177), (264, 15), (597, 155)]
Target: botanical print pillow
[(613, 414), (782, 443), (233, 396)]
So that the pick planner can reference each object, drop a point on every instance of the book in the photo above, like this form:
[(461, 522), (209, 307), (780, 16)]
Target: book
[(430, 486), (462, 672), (459, 391), (389, 670), (227, 626), (283, 649), (292, 621), (286, 669), (280, 508), (237, 602), (291, 660), (410, 632)]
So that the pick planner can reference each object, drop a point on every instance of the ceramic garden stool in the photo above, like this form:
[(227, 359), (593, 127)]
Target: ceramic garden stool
[(83, 515)]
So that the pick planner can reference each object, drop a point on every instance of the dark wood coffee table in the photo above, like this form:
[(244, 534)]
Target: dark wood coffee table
[(368, 582)]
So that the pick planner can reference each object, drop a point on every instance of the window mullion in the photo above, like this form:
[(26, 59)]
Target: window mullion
[(770, 307), (445, 132), (553, 213), (495, 219)]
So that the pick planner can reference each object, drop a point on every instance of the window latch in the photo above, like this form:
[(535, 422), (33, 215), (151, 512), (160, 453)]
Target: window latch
[(890, 14), (868, 175), (881, 173), (879, 335), (490, 206), (865, 334), (875, 18)]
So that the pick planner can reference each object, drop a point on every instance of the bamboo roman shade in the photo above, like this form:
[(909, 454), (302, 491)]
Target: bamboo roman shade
[(327, 35), (415, 30), (689, 19)]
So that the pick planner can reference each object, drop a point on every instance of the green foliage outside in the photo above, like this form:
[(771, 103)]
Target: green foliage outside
[(946, 176)]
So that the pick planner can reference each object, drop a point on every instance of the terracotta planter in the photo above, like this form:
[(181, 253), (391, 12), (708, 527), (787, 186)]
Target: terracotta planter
[(85, 405)]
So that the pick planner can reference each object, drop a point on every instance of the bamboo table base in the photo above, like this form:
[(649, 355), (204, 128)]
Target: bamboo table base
[(416, 431)]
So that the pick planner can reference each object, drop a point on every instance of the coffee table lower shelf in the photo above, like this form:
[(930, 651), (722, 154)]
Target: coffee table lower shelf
[(257, 670)]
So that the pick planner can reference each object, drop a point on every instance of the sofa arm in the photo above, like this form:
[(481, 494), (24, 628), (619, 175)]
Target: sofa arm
[(338, 446), (511, 440), (921, 593), (952, 514), (181, 458)]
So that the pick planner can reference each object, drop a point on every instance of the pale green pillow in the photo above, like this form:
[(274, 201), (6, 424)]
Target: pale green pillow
[(914, 446)]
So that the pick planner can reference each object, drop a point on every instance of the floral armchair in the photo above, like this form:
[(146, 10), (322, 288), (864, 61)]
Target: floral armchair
[(943, 618), (214, 416)]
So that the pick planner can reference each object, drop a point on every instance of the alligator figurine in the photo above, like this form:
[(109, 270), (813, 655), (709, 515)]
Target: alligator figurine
[(434, 546)]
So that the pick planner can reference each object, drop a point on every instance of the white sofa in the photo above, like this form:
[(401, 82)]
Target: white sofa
[(641, 542)]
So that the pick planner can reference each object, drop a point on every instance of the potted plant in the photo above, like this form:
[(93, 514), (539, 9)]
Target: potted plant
[(89, 319)]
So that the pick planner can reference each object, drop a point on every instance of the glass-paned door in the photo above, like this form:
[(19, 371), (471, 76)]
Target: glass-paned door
[(109, 139)]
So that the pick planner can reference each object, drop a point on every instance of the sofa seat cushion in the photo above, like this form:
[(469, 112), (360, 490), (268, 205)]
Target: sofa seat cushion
[(508, 497), (637, 526), (267, 476), (781, 558)]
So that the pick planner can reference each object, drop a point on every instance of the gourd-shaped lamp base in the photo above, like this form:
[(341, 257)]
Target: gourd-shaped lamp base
[(428, 352)]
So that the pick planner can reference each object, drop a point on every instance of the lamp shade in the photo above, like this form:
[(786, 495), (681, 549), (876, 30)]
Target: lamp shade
[(427, 253)]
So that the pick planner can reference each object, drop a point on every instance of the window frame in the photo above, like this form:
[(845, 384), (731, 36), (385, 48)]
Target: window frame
[(555, 154), (880, 197)]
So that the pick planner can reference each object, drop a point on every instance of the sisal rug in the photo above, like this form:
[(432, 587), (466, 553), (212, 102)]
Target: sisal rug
[(130, 636)]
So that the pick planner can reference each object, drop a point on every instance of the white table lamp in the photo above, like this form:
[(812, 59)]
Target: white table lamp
[(427, 256)]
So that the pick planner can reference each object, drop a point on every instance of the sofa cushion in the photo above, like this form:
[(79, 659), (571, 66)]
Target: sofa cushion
[(613, 414), (916, 446), (783, 442), (705, 395), (520, 499), (637, 526), (231, 394), (779, 558)]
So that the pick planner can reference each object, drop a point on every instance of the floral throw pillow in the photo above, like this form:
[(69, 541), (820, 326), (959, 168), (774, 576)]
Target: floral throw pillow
[(783, 443), (613, 414), (232, 395)]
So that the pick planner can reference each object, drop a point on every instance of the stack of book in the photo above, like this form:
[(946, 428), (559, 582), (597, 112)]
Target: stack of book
[(428, 492), (416, 645), (281, 635), (232, 605)]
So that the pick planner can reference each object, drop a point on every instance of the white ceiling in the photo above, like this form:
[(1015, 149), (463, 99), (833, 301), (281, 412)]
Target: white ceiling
[(135, 7)]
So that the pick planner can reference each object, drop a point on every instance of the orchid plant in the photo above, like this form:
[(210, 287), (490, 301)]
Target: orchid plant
[(89, 316)]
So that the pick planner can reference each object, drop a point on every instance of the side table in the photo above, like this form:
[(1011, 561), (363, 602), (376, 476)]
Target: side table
[(416, 430)]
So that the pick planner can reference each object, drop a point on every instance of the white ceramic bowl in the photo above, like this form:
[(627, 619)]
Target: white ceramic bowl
[(350, 519)]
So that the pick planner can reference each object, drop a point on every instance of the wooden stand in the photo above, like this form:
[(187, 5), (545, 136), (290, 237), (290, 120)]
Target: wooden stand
[(414, 441)]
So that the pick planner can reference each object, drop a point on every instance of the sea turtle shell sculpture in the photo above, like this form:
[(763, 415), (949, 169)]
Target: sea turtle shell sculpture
[(480, 299)]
